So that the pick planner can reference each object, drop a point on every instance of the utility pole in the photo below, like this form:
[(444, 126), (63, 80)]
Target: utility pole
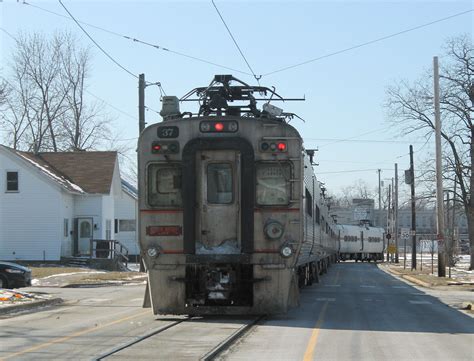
[(389, 220), (380, 201), (413, 212), (439, 176), (141, 103), (395, 213), (141, 126)]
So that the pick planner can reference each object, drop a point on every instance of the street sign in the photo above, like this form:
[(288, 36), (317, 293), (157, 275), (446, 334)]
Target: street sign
[(405, 233), (392, 249)]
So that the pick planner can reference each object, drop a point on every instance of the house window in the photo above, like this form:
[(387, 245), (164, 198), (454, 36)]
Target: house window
[(66, 227), (108, 229), (12, 181), (127, 225), (85, 230)]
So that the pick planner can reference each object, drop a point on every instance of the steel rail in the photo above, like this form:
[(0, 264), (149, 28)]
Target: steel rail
[(139, 339), (224, 345)]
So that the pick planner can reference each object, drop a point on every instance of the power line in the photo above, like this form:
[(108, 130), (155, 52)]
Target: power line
[(96, 44), (235, 42), (335, 140), (369, 42), (112, 106), (130, 38), (353, 171), (350, 138)]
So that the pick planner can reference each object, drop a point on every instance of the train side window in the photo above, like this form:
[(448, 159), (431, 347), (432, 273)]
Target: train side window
[(219, 183), (318, 213), (164, 185), (273, 184), (309, 202)]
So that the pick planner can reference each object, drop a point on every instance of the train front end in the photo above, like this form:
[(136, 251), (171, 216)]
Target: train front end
[(219, 222)]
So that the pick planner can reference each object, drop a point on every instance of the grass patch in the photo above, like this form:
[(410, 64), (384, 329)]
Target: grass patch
[(114, 276), (40, 272)]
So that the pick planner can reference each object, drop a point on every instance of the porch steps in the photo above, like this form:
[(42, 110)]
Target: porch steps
[(77, 262)]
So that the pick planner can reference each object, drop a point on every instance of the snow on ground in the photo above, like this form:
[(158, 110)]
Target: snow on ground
[(459, 272)]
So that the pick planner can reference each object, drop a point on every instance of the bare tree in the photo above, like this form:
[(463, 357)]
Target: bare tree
[(46, 107), (410, 108)]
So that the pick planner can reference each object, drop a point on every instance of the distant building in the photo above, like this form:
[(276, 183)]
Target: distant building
[(361, 209), (53, 204)]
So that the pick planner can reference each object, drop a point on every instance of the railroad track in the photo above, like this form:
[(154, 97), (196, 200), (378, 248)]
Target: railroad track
[(165, 332)]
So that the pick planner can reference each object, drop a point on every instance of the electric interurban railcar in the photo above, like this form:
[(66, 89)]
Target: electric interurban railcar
[(232, 218), (361, 242)]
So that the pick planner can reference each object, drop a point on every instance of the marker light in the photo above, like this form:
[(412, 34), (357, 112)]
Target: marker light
[(156, 147), (152, 252), (281, 147), (286, 251), (219, 127)]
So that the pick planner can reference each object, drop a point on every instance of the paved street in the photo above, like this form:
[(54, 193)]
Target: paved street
[(357, 312)]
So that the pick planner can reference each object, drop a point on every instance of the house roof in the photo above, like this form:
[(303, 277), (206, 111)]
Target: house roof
[(83, 172)]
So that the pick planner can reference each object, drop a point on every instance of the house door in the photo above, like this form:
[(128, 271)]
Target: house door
[(84, 235), (218, 199)]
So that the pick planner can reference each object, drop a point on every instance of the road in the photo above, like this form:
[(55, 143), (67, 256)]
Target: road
[(357, 312)]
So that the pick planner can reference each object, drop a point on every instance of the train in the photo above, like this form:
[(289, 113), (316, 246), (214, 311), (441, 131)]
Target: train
[(232, 219), (361, 242)]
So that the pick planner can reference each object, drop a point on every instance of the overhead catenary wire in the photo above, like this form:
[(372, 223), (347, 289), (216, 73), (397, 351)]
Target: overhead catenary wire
[(368, 43), (130, 38), (97, 44), (235, 42)]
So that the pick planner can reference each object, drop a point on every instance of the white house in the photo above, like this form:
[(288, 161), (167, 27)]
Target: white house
[(52, 204)]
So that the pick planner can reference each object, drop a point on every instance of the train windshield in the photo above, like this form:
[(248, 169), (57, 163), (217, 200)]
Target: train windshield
[(164, 185), (219, 183), (273, 183)]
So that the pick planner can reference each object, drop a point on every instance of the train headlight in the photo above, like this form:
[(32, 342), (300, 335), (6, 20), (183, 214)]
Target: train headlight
[(286, 251), (274, 230), (152, 252)]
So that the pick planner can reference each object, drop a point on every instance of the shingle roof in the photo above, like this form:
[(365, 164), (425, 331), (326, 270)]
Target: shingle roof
[(83, 172)]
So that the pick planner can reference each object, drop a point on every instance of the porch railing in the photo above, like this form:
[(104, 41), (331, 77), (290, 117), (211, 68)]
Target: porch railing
[(109, 249)]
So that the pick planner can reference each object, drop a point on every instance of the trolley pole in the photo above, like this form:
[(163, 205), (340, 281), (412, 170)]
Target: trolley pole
[(439, 176), (413, 212)]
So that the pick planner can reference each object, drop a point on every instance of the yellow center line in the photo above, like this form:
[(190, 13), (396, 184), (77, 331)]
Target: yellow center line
[(76, 334), (308, 355)]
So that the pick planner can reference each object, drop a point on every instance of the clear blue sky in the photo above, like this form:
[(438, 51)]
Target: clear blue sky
[(344, 92)]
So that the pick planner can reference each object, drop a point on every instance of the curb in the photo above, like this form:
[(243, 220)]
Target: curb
[(406, 277), (416, 281), (20, 307)]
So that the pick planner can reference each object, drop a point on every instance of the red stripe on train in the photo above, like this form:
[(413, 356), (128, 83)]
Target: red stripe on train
[(161, 211), (276, 209)]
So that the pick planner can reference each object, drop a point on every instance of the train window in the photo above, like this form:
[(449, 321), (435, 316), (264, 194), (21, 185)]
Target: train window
[(219, 183), (273, 186), (164, 185)]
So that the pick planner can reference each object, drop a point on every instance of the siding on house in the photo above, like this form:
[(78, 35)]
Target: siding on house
[(38, 221), (30, 217), (90, 206), (125, 209)]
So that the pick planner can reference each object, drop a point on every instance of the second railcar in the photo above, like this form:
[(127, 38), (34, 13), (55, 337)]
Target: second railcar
[(361, 242)]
